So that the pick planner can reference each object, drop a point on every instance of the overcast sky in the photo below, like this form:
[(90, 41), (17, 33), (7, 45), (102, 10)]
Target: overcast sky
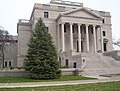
[(12, 10)]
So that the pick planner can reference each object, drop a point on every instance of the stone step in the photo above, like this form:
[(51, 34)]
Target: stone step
[(101, 71), (99, 64)]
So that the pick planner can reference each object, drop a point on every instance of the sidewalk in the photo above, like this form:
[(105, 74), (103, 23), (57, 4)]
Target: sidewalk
[(57, 83)]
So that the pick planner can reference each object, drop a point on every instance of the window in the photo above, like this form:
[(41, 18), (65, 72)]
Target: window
[(77, 46), (105, 46), (66, 62), (83, 60), (104, 33), (47, 29), (59, 58), (16, 41), (77, 30), (84, 31), (103, 21), (46, 14), (73, 29), (65, 28), (60, 61), (81, 30), (75, 65), (5, 63), (0, 47), (9, 63), (91, 31)]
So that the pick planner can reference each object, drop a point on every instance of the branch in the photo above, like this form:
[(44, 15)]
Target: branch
[(117, 43)]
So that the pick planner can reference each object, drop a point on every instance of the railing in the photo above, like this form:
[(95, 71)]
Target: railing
[(66, 3), (23, 21)]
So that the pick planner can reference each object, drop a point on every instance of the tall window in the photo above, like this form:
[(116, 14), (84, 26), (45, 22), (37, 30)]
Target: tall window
[(60, 61), (91, 31), (46, 14), (5, 63), (9, 63), (47, 29), (104, 33), (75, 65), (73, 28), (66, 62), (105, 46), (103, 21), (65, 28)]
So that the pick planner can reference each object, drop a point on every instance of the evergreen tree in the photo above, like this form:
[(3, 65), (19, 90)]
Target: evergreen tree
[(41, 59)]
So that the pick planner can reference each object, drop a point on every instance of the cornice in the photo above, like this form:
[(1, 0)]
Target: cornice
[(82, 17)]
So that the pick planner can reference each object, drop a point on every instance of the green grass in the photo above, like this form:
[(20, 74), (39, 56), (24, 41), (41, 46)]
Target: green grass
[(25, 79), (111, 86)]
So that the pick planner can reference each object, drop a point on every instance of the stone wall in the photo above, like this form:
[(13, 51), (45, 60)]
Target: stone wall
[(72, 71), (22, 73), (14, 73), (114, 54)]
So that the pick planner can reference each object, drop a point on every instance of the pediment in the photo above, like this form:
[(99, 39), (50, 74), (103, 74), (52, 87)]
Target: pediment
[(82, 12)]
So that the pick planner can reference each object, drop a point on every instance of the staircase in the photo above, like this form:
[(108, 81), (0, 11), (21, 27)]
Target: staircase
[(98, 64)]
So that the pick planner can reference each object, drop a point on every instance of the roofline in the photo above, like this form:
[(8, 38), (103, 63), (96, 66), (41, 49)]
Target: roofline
[(74, 10), (95, 14), (33, 11)]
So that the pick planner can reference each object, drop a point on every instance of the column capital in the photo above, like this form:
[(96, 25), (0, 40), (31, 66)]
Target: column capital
[(87, 25), (62, 23), (94, 25), (71, 23), (101, 26), (79, 24)]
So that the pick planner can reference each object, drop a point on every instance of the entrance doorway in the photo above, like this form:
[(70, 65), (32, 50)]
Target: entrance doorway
[(81, 46), (77, 46), (66, 62), (75, 65), (105, 46)]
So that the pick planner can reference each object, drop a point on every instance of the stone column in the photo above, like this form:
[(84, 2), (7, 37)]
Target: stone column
[(87, 38), (62, 37), (79, 37), (101, 39), (94, 35), (71, 36), (58, 36)]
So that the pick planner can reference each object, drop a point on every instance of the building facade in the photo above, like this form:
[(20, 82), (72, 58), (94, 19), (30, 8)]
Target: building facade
[(8, 52), (77, 31)]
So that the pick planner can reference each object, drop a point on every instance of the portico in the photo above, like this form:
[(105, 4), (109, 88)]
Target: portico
[(79, 37)]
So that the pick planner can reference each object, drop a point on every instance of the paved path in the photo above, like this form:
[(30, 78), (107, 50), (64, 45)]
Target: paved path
[(57, 83)]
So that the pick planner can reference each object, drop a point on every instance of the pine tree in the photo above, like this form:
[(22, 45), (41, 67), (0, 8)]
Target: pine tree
[(41, 59)]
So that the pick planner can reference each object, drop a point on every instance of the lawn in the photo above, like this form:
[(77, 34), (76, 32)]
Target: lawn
[(25, 79), (109, 86)]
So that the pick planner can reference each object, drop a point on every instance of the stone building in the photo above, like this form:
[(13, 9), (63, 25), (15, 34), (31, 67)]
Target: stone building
[(10, 53), (81, 35)]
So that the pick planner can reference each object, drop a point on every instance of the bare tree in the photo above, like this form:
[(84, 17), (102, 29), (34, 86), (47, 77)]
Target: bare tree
[(117, 43), (4, 37)]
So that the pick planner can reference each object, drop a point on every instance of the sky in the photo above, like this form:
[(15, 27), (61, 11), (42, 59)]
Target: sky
[(13, 10)]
